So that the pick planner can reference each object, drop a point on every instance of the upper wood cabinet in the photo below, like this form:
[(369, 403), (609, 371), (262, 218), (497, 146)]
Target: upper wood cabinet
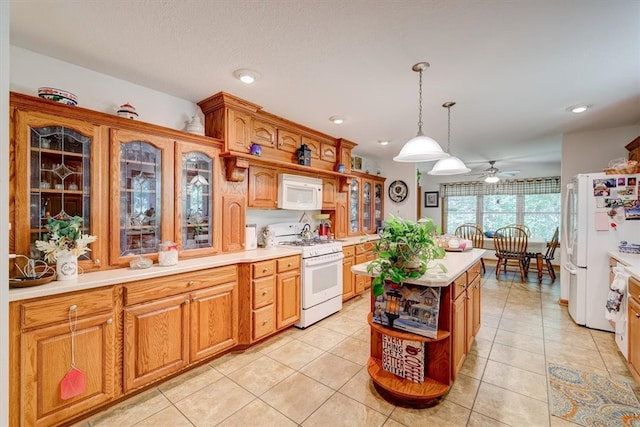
[(263, 133), (263, 188), (238, 131), (142, 203), (196, 199), (57, 172), (365, 204), (329, 192), (288, 141)]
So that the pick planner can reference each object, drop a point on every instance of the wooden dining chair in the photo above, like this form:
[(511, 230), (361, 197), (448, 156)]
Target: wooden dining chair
[(524, 227), (474, 233), (548, 256), (510, 243)]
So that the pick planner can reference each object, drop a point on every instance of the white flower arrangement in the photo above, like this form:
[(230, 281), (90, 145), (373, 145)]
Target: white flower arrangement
[(64, 238)]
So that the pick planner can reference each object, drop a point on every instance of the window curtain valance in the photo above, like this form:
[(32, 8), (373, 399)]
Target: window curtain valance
[(505, 187)]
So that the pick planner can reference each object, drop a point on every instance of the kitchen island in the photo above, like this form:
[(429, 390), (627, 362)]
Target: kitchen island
[(437, 354)]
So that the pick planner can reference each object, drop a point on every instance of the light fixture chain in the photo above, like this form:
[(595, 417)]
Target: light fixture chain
[(420, 106)]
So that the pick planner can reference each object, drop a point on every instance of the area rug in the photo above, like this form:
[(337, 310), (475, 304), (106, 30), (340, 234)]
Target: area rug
[(590, 399)]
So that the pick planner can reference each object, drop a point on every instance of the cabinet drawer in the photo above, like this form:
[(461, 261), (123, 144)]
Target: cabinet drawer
[(473, 272), (263, 268), (263, 291), (362, 248), (289, 263), (459, 285), (161, 287), (52, 310), (348, 251), (634, 289), (264, 322)]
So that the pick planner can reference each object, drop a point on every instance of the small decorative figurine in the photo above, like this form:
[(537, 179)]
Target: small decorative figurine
[(256, 149), (195, 126), (304, 155)]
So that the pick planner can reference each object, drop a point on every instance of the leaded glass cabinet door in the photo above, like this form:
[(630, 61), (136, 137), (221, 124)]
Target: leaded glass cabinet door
[(142, 202), (195, 219), (367, 190), (57, 175), (354, 206), (378, 204)]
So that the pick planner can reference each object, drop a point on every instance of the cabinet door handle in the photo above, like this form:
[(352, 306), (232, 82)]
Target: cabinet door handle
[(289, 265), (264, 270), (73, 307), (97, 261), (638, 315), (264, 322), (191, 282), (187, 302), (109, 321), (264, 293)]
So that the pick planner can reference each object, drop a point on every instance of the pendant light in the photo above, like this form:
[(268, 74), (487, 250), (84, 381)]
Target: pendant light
[(451, 165), (420, 148)]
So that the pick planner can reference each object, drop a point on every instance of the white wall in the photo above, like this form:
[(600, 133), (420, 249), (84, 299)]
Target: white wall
[(4, 213), (584, 152), (96, 91), (405, 172), (430, 183)]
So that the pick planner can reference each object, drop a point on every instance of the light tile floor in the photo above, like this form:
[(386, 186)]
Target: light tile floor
[(317, 376)]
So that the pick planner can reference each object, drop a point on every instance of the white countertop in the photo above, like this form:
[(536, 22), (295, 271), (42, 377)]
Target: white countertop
[(631, 262), (456, 263), (124, 275)]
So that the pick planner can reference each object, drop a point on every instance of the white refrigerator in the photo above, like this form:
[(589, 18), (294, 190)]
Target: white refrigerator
[(600, 211)]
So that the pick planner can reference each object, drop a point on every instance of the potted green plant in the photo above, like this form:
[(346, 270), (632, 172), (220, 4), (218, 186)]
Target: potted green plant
[(404, 251)]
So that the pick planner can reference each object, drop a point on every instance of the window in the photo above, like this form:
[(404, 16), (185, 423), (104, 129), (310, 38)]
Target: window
[(533, 202)]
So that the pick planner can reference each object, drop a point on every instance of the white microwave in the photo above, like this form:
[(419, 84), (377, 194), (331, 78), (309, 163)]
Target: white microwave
[(299, 193)]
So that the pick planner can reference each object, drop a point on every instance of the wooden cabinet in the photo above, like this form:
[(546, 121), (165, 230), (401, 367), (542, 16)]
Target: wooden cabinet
[(365, 204), (458, 322), (238, 131), (142, 203), (58, 170), (329, 191), (263, 188), (288, 292), (271, 302), (340, 217), (42, 351), (348, 278), (176, 320), (288, 141), (634, 327), (263, 133), (363, 253), (234, 222)]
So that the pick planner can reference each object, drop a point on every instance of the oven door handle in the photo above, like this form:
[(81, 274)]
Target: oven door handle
[(321, 260)]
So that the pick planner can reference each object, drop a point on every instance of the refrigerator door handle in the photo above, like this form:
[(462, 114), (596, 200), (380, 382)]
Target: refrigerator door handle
[(569, 268), (565, 219)]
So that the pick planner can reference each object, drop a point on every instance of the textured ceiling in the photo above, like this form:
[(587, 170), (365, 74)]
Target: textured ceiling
[(513, 67)]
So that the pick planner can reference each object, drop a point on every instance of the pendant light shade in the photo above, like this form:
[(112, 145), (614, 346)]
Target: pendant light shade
[(492, 179), (421, 148), (451, 165)]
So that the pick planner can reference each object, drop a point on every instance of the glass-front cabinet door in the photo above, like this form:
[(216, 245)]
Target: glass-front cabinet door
[(378, 211), (141, 194), (195, 217), (354, 206), (56, 170), (367, 198)]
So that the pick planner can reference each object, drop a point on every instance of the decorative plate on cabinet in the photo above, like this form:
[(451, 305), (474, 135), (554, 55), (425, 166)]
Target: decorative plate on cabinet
[(398, 191)]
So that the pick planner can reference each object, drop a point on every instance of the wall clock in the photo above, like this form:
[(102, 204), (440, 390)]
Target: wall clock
[(398, 191)]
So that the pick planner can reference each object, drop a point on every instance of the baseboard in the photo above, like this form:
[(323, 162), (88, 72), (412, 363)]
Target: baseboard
[(563, 302)]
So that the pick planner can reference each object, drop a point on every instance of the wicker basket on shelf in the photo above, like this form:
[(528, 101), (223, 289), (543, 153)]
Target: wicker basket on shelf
[(622, 168)]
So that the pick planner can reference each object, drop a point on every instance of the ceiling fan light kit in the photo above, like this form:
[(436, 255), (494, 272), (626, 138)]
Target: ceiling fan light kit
[(420, 148), (450, 165), (491, 179)]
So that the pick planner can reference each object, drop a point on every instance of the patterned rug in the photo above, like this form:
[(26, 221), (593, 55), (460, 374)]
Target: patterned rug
[(592, 400)]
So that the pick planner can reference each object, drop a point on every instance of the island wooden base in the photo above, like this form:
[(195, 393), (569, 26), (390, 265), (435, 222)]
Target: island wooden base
[(405, 393)]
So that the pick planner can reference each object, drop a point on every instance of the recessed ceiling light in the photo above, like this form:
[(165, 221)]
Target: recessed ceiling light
[(384, 142), (578, 108), (246, 76), (338, 120)]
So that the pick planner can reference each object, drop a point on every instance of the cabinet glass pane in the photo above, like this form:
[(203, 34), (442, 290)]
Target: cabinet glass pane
[(354, 208), (140, 198), (377, 205), (197, 200), (59, 182), (366, 206)]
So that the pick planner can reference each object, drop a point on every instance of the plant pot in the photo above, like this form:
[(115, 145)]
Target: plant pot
[(67, 267)]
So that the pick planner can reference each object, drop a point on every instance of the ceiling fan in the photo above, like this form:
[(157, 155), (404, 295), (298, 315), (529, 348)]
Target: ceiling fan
[(492, 174)]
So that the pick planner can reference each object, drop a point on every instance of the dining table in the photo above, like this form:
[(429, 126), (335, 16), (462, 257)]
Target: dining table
[(536, 246)]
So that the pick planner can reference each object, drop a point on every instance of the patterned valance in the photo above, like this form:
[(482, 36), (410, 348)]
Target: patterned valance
[(546, 185)]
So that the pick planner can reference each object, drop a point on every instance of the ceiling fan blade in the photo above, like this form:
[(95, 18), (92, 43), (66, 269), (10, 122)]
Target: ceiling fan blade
[(508, 174)]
